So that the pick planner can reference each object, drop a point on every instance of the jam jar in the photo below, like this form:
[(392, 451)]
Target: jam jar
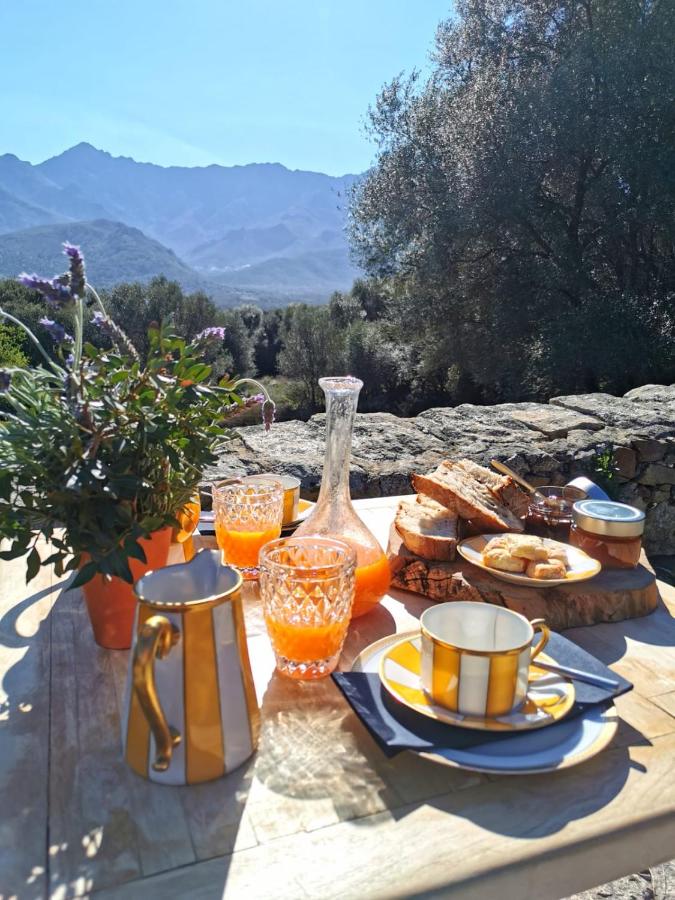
[(609, 532), (549, 514)]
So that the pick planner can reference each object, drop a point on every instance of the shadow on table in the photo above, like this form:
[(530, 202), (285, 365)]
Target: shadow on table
[(24, 731), (95, 823), (609, 640), (527, 806), (313, 750)]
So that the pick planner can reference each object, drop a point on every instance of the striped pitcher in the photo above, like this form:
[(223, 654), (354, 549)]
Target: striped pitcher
[(190, 710)]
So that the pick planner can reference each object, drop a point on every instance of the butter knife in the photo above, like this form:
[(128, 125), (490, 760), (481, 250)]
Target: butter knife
[(588, 677)]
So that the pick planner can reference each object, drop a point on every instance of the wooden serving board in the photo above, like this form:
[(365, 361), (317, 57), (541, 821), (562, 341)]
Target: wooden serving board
[(609, 597)]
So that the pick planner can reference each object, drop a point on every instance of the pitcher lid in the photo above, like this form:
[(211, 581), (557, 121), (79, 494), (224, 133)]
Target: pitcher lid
[(202, 582)]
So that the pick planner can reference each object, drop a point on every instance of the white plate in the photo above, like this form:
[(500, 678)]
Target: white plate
[(581, 565), (569, 743)]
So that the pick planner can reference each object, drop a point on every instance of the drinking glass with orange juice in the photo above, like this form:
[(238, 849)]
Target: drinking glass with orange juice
[(307, 586), (248, 514)]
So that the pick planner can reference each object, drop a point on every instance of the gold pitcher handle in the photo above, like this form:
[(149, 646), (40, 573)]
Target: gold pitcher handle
[(156, 637), (541, 626)]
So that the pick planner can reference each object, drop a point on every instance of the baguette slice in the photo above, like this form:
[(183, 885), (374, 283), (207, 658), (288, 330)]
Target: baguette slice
[(469, 498), (503, 488), (427, 528)]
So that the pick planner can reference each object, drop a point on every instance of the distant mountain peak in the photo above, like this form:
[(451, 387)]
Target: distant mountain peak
[(82, 151), (282, 228)]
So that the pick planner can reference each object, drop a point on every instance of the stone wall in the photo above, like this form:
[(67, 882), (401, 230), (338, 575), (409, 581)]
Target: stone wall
[(549, 443)]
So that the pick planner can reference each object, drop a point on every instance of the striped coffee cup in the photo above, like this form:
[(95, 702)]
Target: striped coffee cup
[(476, 656)]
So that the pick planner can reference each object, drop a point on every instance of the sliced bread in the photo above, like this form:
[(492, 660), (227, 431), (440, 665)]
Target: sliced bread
[(469, 498), (427, 528), (504, 488)]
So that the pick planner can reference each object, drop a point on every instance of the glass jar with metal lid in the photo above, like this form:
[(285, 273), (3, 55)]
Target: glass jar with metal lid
[(609, 532)]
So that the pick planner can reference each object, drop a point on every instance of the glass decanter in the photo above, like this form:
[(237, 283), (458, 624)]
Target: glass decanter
[(334, 515)]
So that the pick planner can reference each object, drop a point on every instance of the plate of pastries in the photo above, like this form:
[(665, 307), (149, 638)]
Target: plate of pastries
[(462, 507), (527, 559)]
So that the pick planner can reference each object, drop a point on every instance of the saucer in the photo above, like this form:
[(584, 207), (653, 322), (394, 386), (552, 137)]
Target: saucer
[(304, 509), (549, 697)]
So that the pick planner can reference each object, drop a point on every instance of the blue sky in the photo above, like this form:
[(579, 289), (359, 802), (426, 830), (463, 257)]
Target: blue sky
[(193, 82)]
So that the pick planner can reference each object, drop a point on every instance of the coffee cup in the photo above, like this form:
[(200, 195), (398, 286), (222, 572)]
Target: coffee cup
[(476, 656)]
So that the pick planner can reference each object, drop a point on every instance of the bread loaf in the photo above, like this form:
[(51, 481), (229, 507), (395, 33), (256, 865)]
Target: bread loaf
[(427, 528), (457, 487)]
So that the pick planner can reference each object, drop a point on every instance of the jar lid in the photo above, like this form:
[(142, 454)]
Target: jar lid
[(604, 517)]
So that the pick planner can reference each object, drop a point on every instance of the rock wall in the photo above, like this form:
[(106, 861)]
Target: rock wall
[(548, 443)]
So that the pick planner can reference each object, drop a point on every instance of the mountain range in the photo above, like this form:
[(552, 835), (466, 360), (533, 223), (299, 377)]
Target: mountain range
[(258, 232)]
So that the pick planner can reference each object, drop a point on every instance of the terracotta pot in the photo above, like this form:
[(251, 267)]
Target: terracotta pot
[(112, 604)]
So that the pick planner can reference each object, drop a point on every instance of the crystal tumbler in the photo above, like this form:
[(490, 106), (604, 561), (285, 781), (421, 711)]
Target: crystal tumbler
[(248, 514), (307, 587)]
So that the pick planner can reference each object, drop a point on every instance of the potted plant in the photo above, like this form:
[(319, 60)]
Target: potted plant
[(101, 450)]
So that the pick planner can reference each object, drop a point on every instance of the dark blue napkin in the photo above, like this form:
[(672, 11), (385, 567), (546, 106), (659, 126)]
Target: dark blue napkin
[(394, 727)]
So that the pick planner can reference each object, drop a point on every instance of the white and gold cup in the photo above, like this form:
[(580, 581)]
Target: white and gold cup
[(476, 657)]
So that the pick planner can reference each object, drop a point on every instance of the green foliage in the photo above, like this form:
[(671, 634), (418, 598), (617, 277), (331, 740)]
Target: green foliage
[(311, 348), (520, 216), (603, 467), (12, 347), (102, 446), (109, 452)]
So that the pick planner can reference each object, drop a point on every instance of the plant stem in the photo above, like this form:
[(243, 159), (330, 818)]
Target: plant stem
[(261, 387), (37, 343), (96, 298)]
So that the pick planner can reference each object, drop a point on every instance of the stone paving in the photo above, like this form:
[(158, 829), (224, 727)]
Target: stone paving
[(657, 883)]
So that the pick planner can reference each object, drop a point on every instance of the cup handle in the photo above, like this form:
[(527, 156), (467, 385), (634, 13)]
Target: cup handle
[(541, 626), (156, 637)]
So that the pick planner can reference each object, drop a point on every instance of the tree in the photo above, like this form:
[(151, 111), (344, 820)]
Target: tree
[(312, 347), (12, 346), (521, 205)]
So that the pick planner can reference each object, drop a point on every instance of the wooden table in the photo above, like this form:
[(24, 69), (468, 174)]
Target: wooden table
[(319, 812)]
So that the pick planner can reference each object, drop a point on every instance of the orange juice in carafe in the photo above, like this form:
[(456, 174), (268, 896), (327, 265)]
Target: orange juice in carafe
[(334, 515), (372, 583)]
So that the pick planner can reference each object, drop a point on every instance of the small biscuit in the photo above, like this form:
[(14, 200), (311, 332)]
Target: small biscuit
[(527, 546), (558, 553), (500, 558), (553, 568)]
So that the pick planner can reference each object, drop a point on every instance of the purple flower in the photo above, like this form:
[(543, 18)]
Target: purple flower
[(57, 332), (268, 413), (211, 334), (100, 320), (254, 400), (5, 380), (76, 266), (55, 290)]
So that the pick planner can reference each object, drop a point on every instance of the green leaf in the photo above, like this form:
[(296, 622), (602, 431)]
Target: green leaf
[(134, 550), (85, 574)]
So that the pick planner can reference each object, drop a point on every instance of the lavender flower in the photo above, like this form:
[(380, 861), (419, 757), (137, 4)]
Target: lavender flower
[(254, 400), (57, 332), (5, 380), (111, 330), (211, 334), (268, 413), (55, 290), (100, 320), (76, 266)]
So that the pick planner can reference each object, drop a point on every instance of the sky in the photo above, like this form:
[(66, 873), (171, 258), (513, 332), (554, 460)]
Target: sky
[(195, 82)]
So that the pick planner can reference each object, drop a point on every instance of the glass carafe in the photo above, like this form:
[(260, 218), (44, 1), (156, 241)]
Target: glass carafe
[(334, 516)]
